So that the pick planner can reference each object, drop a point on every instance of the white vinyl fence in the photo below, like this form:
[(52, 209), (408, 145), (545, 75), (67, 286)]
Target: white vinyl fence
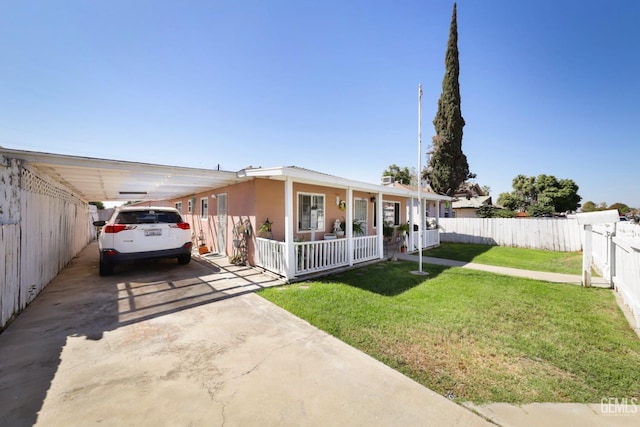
[(554, 234), (42, 227), (616, 255)]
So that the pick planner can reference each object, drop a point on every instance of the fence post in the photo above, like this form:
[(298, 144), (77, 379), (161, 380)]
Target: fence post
[(587, 256)]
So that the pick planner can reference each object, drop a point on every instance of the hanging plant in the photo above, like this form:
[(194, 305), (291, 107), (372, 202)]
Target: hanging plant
[(265, 227)]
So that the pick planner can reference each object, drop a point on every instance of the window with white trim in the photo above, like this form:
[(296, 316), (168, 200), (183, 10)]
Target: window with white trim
[(391, 213), (310, 212), (179, 206), (189, 206), (204, 208)]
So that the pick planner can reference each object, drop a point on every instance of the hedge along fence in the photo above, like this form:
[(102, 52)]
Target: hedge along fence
[(554, 234)]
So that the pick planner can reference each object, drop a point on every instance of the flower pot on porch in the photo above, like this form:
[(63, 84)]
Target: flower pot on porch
[(203, 249)]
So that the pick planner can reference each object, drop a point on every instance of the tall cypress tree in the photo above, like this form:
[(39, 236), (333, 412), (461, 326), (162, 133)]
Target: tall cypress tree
[(448, 167)]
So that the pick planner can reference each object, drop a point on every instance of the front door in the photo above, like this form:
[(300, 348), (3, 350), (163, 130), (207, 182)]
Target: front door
[(221, 234), (360, 215)]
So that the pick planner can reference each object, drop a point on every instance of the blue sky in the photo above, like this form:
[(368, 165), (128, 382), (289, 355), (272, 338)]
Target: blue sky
[(548, 87)]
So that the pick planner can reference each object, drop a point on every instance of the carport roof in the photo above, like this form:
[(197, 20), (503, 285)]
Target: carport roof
[(94, 179)]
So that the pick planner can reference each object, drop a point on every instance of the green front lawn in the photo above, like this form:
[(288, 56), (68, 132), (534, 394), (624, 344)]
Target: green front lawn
[(526, 259), (480, 336)]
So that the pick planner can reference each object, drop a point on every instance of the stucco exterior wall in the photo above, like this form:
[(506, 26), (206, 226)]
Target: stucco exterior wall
[(465, 213), (269, 203), (241, 205)]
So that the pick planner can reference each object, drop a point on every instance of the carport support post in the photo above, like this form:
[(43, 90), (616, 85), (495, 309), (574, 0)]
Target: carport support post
[(289, 247), (587, 253)]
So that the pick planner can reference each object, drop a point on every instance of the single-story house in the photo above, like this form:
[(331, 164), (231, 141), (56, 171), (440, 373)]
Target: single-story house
[(288, 220)]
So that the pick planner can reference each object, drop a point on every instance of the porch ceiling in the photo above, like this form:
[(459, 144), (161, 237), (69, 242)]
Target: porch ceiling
[(99, 179)]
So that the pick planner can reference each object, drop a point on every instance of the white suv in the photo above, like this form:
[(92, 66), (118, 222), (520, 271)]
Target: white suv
[(143, 233)]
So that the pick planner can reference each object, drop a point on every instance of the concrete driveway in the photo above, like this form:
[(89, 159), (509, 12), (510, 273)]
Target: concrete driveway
[(163, 344)]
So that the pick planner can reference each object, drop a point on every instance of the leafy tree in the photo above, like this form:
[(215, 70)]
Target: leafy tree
[(539, 210), (490, 211), (98, 205), (545, 193), (511, 201), (448, 166), (486, 211), (504, 213), (589, 206), (621, 207), (401, 175)]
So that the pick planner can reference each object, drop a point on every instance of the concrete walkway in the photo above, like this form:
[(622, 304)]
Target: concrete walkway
[(158, 344), (612, 411), (573, 279)]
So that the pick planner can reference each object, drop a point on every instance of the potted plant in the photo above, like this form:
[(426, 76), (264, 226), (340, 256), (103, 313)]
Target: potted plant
[(403, 229), (387, 230), (264, 230), (236, 259), (357, 227)]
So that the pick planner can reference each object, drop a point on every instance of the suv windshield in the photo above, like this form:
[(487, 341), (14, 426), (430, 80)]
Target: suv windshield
[(148, 217)]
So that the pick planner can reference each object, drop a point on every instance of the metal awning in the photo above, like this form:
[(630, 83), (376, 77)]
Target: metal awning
[(95, 179)]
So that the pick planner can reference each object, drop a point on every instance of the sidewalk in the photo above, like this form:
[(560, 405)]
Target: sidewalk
[(611, 413)]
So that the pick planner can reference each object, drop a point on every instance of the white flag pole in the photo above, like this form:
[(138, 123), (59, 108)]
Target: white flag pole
[(420, 201)]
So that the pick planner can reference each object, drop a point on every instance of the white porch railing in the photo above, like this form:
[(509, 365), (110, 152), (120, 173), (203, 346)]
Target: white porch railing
[(430, 238), (320, 255), (270, 255), (365, 248)]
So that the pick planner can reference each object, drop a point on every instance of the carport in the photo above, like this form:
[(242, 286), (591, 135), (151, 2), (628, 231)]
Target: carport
[(45, 217)]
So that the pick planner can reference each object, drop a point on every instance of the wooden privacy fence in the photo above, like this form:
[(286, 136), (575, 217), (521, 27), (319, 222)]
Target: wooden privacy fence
[(43, 226), (554, 234)]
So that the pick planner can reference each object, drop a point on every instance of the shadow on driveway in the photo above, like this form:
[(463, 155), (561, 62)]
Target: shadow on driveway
[(80, 303)]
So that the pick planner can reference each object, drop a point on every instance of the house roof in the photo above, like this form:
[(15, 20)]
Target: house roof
[(471, 202), (318, 178), (94, 179), (469, 189)]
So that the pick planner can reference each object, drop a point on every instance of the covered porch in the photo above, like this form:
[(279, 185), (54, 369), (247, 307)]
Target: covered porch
[(294, 259)]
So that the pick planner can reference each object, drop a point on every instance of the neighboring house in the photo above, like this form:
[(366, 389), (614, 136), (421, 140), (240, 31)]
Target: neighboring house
[(466, 207), (302, 207), (468, 197)]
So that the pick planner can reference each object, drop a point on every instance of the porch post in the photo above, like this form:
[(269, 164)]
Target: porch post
[(438, 219), (411, 222), (289, 249), (380, 226), (349, 225)]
